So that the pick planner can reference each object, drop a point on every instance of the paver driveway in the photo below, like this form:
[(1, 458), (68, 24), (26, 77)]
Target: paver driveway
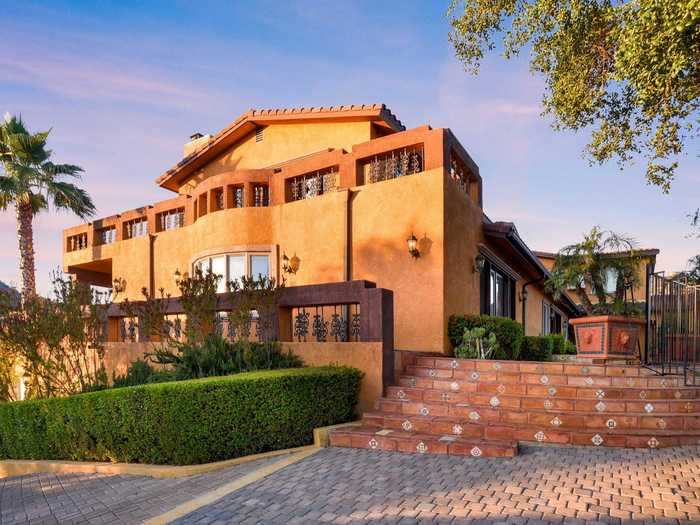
[(576, 485), (100, 498), (542, 484)]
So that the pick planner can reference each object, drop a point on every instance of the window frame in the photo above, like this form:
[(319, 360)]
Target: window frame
[(490, 305), (247, 263)]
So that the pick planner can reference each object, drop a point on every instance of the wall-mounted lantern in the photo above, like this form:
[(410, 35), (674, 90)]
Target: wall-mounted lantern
[(523, 295), (118, 285), (177, 276), (290, 265), (413, 246), (479, 263)]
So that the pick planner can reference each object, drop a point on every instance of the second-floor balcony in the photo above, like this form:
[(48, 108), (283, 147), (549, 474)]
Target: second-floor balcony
[(383, 159)]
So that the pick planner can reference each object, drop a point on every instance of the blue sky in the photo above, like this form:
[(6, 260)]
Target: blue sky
[(123, 84)]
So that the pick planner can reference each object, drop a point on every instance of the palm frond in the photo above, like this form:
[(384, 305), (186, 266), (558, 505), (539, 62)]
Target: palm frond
[(67, 196), (51, 170), (38, 202), (8, 191)]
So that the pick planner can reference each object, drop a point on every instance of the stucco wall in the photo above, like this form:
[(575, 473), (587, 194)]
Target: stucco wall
[(363, 356), (384, 215)]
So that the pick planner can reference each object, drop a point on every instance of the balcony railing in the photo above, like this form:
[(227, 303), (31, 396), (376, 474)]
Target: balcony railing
[(313, 184), (394, 164), (106, 235), (459, 173), (340, 323), (170, 220), (77, 242)]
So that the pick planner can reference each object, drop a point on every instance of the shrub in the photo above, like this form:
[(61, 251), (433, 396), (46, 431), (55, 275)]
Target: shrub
[(509, 333), (217, 356), (183, 422), (536, 348), (558, 344), (142, 373), (476, 344), (570, 348)]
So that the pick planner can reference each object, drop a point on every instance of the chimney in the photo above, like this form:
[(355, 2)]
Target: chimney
[(196, 143)]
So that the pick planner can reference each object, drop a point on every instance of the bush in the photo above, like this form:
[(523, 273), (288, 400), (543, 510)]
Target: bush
[(477, 345), (536, 348), (558, 344), (217, 356), (142, 373), (570, 348), (509, 333), (185, 422)]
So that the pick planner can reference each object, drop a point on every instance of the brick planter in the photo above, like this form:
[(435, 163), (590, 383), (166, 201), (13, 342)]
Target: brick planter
[(607, 336)]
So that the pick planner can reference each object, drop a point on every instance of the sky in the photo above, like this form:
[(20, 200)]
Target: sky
[(123, 84)]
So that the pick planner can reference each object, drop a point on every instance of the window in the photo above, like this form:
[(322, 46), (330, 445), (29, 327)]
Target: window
[(497, 292), (219, 203), (553, 322), (610, 280), (259, 266), (136, 228), (234, 266)]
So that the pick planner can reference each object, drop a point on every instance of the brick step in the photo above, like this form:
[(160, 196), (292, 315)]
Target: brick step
[(441, 375), (499, 431), (402, 441), (555, 420), (598, 400), (531, 367)]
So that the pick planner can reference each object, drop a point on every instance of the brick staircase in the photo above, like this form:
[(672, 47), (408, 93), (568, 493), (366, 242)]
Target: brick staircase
[(484, 408)]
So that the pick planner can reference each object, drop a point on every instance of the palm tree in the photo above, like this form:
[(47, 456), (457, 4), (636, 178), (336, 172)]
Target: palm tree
[(29, 181)]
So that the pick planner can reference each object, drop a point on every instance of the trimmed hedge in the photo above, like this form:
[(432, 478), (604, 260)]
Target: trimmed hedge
[(184, 422), (536, 348), (558, 344), (509, 333)]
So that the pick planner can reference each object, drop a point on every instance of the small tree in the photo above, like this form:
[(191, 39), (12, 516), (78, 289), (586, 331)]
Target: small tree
[(57, 341), (589, 264)]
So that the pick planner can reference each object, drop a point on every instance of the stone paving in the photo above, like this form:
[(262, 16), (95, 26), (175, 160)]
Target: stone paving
[(543, 484), (105, 499)]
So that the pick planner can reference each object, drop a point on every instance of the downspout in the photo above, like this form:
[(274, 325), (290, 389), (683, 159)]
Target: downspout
[(523, 298)]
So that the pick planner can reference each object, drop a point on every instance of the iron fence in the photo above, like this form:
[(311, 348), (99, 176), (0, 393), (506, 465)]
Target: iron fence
[(672, 331)]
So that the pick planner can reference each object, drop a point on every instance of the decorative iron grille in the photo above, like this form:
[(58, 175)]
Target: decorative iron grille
[(107, 235), (260, 196), (459, 173), (237, 192), (394, 164), (313, 184), (219, 199), (339, 323)]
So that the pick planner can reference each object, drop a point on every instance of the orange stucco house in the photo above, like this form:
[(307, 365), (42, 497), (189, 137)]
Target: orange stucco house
[(341, 188)]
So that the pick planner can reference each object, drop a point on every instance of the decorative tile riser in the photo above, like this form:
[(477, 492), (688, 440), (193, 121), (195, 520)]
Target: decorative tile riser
[(601, 403), (642, 438), (421, 444), (581, 406), (427, 393), (467, 376), (530, 367), (553, 420)]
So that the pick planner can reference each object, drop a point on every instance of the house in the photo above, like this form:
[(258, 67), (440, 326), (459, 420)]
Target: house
[(348, 194)]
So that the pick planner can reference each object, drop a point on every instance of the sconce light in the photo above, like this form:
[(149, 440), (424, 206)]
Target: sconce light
[(290, 265), (523, 295), (177, 276), (479, 263), (413, 246), (118, 285)]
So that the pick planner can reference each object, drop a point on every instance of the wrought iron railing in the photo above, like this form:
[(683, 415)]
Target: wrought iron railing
[(459, 173), (313, 184), (673, 327), (339, 323), (393, 164)]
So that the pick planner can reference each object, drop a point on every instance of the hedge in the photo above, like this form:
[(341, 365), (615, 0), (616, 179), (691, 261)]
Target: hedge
[(558, 344), (509, 333), (536, 348), (184, 422)]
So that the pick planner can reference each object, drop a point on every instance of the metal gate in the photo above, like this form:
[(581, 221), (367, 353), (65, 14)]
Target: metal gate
[(672, 335)]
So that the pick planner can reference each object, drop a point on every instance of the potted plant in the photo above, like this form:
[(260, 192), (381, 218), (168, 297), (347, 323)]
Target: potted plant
[(602, 272)]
